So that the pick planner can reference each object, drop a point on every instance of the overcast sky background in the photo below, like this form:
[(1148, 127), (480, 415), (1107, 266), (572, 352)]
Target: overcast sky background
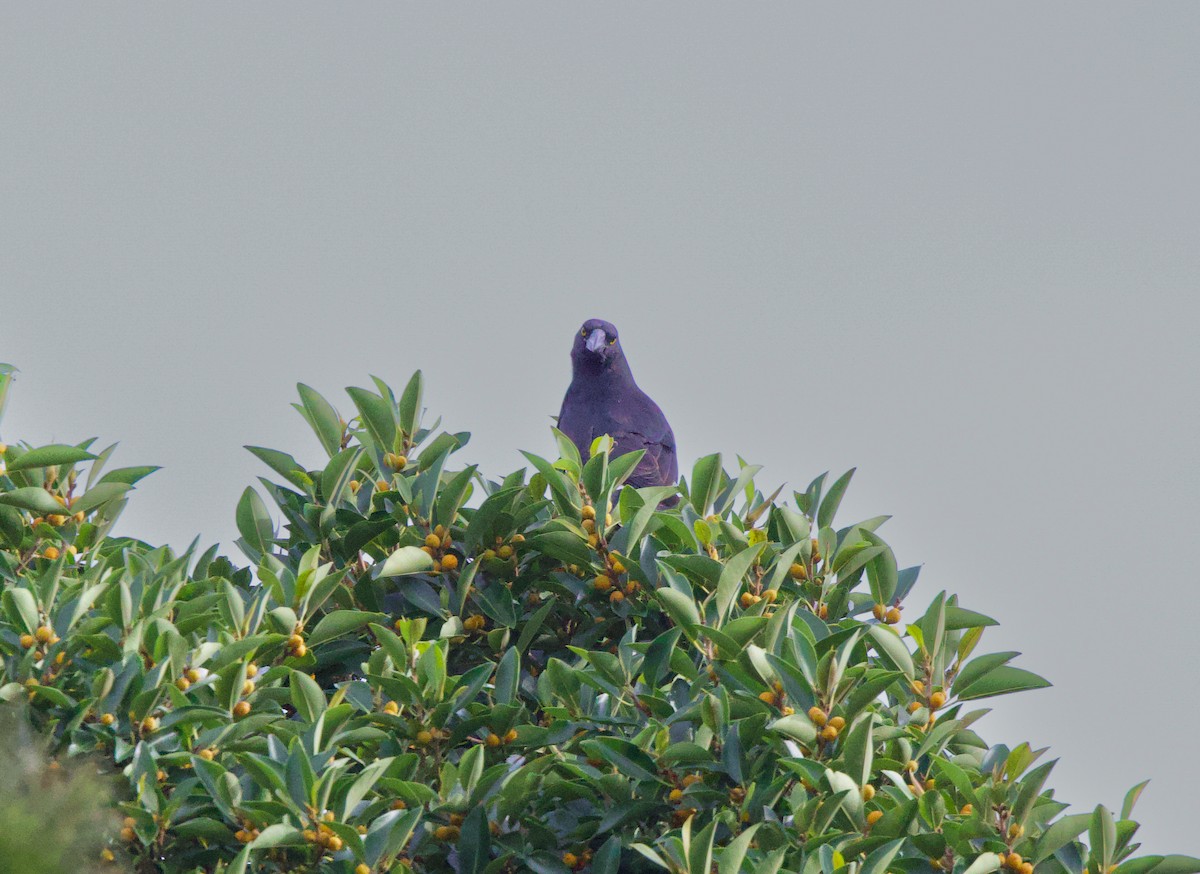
[(953, 245)]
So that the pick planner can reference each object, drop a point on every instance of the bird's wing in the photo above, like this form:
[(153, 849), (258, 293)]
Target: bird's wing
[(658, 466)]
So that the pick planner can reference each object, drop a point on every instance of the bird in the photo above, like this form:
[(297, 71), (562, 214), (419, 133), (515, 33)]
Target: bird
[(604, 399)]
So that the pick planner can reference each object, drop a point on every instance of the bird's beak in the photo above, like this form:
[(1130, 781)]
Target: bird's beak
[(596, 340)]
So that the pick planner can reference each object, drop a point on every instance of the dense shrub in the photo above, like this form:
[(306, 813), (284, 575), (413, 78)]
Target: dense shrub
[(559, 677)]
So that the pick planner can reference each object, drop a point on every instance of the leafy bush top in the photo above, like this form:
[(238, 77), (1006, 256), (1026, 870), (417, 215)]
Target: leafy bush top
[(562, 677)]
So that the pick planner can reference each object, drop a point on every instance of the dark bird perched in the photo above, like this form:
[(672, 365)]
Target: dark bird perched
[(604, 399)]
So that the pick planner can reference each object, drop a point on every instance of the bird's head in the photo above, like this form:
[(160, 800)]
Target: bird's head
[(597, 345)]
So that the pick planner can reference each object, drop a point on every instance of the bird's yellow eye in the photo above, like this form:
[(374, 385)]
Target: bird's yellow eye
[(613, 340), (583, 332)]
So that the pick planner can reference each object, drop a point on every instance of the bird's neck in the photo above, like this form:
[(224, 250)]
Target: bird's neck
[(604, 376)]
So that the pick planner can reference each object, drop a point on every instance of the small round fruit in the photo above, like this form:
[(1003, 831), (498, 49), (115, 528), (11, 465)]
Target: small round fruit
[(50, 552), (617, 567), (829, 733), (892, 616), (570, 860), (362, 868), (391, 708), (149, 724), (589, 512), (128, 835), (334, 843), (766, 697), (823, 611), (449, 562), (874, 816), (248, 687), (492, 740), (838, 722), (241, 709), (770, 595), (43, 633), (208, 754), (675, 796), (817, 716), (56, 519), (433, 541), (424, 738), (27, 641), (399, 804), (79, 517), (914, 706), (504, 552), (300, 651), (937, 699), (355, 485), (446, 833), (868, 792), (510, 736), (602, 583), (183, 684), (107, 719), (616, 597), (966, 810), (798, 571)]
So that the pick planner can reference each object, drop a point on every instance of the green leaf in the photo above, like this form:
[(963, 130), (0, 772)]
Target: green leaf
[(629, 759), (376, 414), (307, 697), (128, 475), (680, 607), (705, 482), (1058, 834), (322, 417), (35, 499), (1001, 681), (474, 843), (1131, 798), (877, 862), (732, 577), (1102, 833), (984, 863), (508, 675), (889, 645), (99, 495), (254, 522), (832, 500), (342, 622), (405, 560), (410, 405), (47, 456)]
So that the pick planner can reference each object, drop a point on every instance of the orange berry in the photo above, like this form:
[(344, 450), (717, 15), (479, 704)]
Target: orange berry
[(355, 485), (823, 611), (56, 519), (602, 583), (450, 562), (127, 835), (570, 860), (510, 735), (892, 616), (27, 641), (675, 796), (208, 754), (248, 687), (616, 597), (838, 723), (588, 512), (798, 571), (829, 733), (334, 843), (937, 699), (868, 792), (399, 804), (362, 868), (505, 552), (241, 709), (770, 595), (50, 552), (874, 816), (391, 707), (747, 599), (967, 810), (493, 740), (817, 716), (617, 567), (424, 737), (446, 833), (107, 719), (766, 697), (149, 724), (79, 517), (43, 633), (433, 541), (879, 611)]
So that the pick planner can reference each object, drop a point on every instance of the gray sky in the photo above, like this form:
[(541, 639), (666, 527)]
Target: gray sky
[(953, 245)]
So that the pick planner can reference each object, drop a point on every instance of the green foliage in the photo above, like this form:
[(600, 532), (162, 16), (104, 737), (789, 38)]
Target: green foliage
[(426, 669)]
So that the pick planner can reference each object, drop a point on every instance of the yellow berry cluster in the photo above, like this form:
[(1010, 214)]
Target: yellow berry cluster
[(247, 832), (494, 740), (127, 830), (577, 861), (749, 599), (1013, 862), (775, 698), (474, 623), (889, 615), (323, 835), (830, 728), (437, 543), (296, 646)]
